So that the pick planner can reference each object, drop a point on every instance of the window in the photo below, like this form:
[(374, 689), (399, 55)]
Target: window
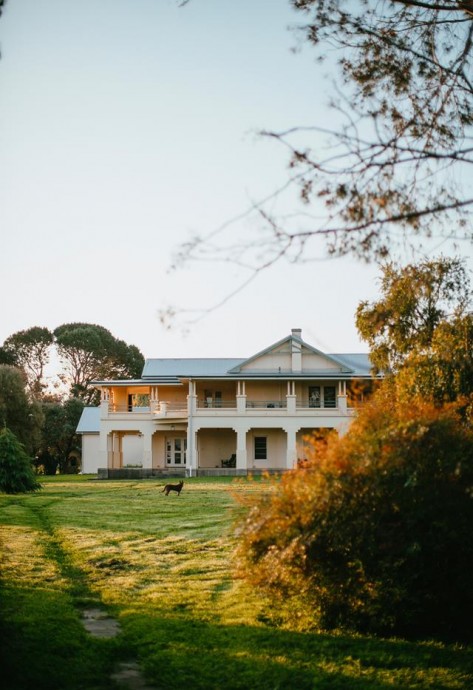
[(329, 396), (138, 402), (176, 449), (314, 396), (322, 396), (212, 399), (261, 448)]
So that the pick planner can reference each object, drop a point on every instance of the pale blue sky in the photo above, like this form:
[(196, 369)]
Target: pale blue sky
[(126, 126)]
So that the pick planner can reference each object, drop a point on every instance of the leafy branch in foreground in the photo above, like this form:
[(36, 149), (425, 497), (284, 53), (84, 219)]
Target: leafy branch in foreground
[(394, 170)]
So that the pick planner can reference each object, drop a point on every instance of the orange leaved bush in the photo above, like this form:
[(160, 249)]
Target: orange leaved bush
[(375, 532)]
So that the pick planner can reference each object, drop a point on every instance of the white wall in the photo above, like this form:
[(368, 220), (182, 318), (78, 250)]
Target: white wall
[(132, 447), (90, 453), (91, 460)]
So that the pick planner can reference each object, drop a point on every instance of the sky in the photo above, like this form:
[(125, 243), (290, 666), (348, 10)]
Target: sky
[(126, 128)]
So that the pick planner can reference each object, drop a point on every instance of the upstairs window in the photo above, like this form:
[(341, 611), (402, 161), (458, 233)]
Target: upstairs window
[(314, 396), (322, 396), (329, 396)]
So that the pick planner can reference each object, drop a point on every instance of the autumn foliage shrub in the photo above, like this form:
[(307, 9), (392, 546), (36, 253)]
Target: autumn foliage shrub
[(376, 533)]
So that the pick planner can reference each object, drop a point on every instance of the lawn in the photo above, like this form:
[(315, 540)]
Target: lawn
[(162, 566)]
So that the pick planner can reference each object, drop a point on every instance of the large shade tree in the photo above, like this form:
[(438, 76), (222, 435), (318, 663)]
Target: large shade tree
[(60, 444), (6, 357), (17, 413), (90, 352), (30, 349), (16, 470)]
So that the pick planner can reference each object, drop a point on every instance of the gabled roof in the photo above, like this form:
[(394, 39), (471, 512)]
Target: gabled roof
[(289, 339), (173, 371)]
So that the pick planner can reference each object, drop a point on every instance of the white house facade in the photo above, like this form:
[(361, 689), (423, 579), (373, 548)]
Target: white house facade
[(222, 416)]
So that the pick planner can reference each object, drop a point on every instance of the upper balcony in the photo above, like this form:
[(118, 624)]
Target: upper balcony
[(240, 405)]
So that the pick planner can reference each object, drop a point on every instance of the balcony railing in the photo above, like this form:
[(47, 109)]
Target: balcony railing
[(320, 405), (203, 404), (127, 408), (172, 408), (180, 408), (269, 404)]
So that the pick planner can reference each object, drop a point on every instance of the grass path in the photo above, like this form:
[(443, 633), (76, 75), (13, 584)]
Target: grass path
[(162, 567)]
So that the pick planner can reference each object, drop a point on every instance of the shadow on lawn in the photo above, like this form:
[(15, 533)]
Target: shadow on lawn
[(43, 645), (184, 653)]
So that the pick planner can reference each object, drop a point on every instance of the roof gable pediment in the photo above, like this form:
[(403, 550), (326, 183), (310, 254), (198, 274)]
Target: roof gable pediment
[(279, 358)]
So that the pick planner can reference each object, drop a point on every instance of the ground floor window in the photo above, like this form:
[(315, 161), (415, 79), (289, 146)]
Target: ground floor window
[(261, 448), (176, 451)]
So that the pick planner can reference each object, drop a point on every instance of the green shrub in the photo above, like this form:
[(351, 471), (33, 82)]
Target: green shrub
[(376, 533), (16, 471)]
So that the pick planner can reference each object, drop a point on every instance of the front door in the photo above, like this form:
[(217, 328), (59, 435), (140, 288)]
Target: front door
[(176, 449)]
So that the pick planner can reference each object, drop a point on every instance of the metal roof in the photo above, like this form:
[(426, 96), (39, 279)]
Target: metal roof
[(171, 370), (360, 362), (89, 422), (188, 368)]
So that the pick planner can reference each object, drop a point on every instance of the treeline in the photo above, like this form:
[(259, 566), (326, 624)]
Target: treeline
[(43, 415), (375, 532)]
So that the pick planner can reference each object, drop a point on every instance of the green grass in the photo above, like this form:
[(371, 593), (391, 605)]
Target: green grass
[(162, 566)]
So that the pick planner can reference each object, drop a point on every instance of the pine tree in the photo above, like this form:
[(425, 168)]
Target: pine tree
[(16, 470)]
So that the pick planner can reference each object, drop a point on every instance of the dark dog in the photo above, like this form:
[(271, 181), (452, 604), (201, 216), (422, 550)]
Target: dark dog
[(173, 487)]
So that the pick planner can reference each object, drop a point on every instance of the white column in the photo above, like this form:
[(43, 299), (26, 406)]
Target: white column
[(241, 397), (291, 451), (117, 452), (342, 403), (192, 455), (241, 454), (191, 459), (291, 397), (147, 450), (104, 447), (191, 399), (153, 400)]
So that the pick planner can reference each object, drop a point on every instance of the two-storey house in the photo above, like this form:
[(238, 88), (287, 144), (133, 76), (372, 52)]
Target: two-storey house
[(222, 416)]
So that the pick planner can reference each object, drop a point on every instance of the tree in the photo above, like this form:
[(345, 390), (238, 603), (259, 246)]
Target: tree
[(397, 164), (90, 352), (6, 357), (30, 349), (444, 371), (376, 534), (17, 413), (59, 438), (415, 300), (16, 470)]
